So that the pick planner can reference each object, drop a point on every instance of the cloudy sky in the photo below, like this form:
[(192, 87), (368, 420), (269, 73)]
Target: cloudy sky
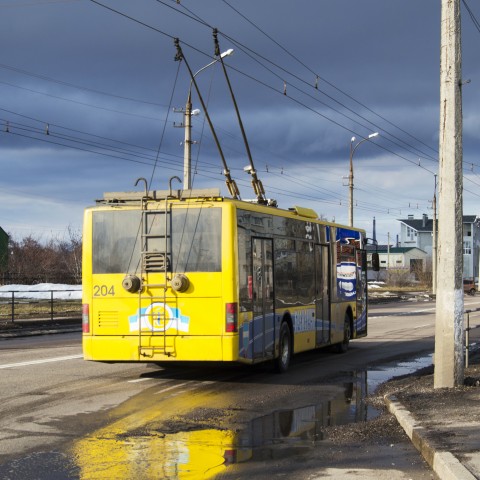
[(88, 91)]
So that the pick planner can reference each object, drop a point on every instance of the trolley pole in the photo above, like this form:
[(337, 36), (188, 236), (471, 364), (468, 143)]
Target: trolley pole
[(449, 328)]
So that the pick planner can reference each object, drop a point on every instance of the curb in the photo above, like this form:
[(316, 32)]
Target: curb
[(444, 464)]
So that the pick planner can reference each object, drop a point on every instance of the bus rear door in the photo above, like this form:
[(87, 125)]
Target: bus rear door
[(322, 300), (263, 298)]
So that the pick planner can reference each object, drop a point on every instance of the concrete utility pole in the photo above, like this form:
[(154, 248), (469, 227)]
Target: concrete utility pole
[(449, 328), (434, 240)]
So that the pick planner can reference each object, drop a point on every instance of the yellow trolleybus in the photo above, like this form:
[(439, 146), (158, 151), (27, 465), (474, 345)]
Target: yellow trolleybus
[(194, 276)]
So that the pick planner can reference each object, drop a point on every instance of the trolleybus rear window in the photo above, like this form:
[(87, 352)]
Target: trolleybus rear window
[(193, 239)]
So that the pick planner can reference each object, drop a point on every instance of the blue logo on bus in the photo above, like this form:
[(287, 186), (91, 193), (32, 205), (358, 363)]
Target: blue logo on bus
[(159, 317)]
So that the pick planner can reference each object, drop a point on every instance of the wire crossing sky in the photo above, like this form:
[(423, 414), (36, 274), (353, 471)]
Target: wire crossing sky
[(91, 99)]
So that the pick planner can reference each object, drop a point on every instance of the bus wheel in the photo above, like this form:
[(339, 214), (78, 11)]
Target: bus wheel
[(282, 362), (342, 347)]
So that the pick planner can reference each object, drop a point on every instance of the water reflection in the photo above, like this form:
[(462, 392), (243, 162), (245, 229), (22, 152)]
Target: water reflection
[(184, 455), (306, 424), (124, 450), (140, 447)]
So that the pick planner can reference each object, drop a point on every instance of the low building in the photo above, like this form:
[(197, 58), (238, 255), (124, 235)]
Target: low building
[(412, 259), (419, 233)]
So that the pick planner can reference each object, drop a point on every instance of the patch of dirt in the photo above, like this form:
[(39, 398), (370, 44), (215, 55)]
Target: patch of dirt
[(201, 418)]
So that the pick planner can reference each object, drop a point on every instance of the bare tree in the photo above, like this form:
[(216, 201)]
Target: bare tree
[(31, 260)]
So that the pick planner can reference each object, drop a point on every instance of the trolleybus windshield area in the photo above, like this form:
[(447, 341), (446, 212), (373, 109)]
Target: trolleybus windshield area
[(192, 238)]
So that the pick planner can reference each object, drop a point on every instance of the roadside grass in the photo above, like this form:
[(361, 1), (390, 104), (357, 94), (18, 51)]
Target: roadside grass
[(29, 309)]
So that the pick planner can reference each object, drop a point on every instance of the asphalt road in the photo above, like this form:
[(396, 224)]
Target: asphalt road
[(64, 418)]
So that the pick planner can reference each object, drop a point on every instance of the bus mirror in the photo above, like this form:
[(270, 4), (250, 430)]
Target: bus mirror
[(375, 262)]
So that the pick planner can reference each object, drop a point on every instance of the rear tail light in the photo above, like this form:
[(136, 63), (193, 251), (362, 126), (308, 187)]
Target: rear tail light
[(230, 457), (231, 319), (86, 318)]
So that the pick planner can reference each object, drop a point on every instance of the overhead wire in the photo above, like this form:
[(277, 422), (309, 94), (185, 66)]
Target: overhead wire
[(62, 144), (93, 143), (321, 77), (197, 18), (164, 126), (78, 102), (263, 59), (98, 3), (476, 23), (78, 87), (129, 17), (248, 76)]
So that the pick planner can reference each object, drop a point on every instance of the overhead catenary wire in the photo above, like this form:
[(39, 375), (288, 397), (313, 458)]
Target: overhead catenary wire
[(262, 59), (85, 104), (434, 150), (129, 17), (476, 23), (164, 33), (55, 131), (323, 79), (76, 86), (176, 168)]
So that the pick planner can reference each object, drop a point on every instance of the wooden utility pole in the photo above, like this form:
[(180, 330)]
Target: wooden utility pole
[(449, 328)]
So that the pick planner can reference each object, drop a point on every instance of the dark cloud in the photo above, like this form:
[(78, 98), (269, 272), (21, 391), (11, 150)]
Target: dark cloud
[(106, 85)]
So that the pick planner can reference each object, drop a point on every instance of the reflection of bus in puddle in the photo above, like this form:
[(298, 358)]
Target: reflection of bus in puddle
[(184, 455), (118, 451), (307, 422)]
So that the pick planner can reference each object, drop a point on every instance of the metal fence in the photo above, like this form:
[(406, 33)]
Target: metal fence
[(468, 329), (18, 305)]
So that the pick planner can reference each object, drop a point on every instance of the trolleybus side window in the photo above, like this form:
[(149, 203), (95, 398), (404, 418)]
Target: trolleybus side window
[(285, 268)]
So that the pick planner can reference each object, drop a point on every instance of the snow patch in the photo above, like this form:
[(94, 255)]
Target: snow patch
[(42, 291)]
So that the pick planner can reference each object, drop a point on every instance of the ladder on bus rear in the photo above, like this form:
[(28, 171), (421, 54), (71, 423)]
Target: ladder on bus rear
[(154, 260)]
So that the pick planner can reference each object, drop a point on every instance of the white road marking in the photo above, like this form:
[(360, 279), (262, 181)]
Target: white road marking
[(172, 388), (38, 362), (141, 380)]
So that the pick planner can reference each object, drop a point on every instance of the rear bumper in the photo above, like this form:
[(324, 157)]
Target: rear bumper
[(159, 348)]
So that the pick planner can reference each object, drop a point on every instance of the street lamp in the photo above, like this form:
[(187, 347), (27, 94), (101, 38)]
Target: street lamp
[(350, 177), (187, 153)]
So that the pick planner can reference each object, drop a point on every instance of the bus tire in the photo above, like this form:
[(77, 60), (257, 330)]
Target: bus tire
[(282, 362), (342, 347)]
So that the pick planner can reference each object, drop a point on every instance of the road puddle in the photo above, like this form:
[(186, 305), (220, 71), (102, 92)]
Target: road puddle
[(306, 425), (386, 372), (145, 449)]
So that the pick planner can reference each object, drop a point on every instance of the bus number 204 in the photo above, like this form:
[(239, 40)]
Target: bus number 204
[(103, 290)]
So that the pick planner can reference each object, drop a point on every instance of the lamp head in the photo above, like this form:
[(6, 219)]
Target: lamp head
[(227, 53), (373, 135)]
